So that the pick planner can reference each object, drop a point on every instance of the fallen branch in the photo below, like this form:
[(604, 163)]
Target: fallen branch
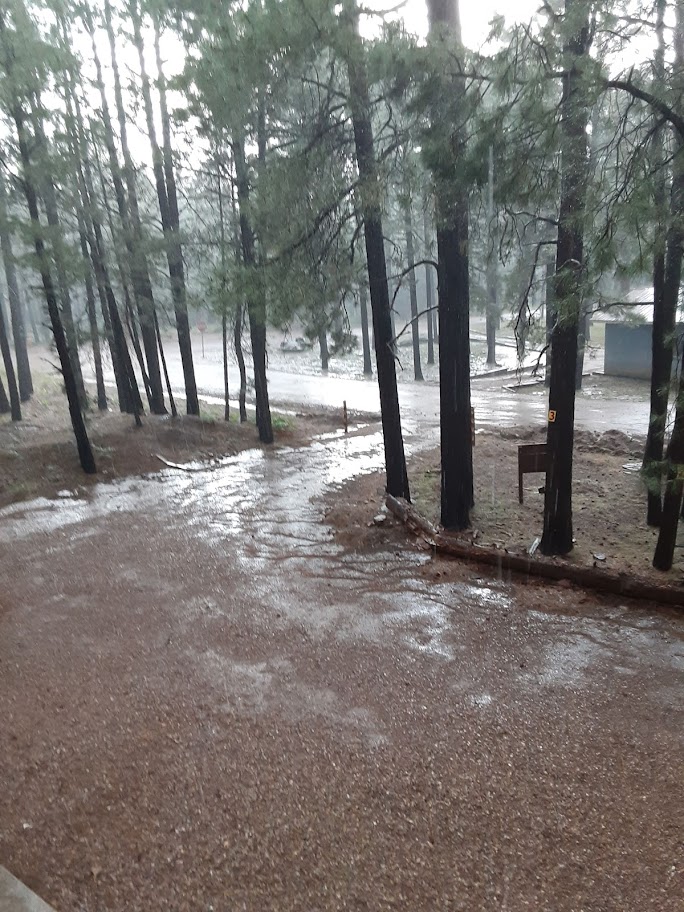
[(589, 577)]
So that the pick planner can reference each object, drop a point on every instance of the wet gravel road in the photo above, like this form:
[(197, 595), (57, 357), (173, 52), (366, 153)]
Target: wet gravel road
[(207, 703)]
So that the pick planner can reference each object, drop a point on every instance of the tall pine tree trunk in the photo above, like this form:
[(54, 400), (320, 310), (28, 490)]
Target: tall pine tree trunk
[(239, 354), (451, 205), (168, 210), (413, 294), (323, 346), (49, 197), (92, 317), (492, 315), (365, 334), (224, 345), (15, 403), (256, 301), (672, 500), (15, 303), (665, 285), (429, 295), (162, 357), (129, 214), (383, 336), (5, 407), (85, 452), (120, 374), (557, 532)]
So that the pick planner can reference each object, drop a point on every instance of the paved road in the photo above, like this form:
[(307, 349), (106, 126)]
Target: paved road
[(599, 407)]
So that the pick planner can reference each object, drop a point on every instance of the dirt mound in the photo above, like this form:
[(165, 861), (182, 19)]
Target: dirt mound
[(614, 442)]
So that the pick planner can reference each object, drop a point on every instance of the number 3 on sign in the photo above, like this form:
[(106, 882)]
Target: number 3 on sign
[(552, 415)]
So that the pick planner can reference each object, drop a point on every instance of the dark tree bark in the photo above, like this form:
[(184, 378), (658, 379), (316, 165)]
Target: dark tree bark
[(413, 294), (168, 210), (92, 317), (665, 284), (5, 407), (323, 345), (491, 315), (224, 342), (256, 302), (365, 334), (383, 336), (672, 501), (15, 402), (127, 387), (49, 197), (93, 249), (557, 532), (85, 452), (429, 295), (222, 229), (550, 290), (451, 204), (132, 393), (237, 341), (120, 374), (127, 206), (239, 312), (162, 357), (15, 303)]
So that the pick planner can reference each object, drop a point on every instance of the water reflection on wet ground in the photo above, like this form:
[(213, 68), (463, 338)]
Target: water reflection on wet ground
[(197, 675)]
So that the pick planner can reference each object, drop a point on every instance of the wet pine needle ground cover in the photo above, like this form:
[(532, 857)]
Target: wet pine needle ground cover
[(609, 500)]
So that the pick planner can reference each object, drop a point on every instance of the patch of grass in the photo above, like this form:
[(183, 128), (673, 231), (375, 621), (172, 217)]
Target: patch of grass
[(425, 491), (282, 422)]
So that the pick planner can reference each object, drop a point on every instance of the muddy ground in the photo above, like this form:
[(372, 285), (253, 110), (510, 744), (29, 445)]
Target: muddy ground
[(608, 501), (215, 698), (38, 455), (209, 702)]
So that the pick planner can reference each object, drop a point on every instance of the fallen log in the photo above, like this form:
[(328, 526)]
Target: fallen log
[(589, 577)]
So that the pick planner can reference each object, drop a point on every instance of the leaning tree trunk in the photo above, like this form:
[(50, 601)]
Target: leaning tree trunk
[(413, 295), (129, 214), (92, 234), (5, 407), (162, 358), (15, 303), (49, 197), (383, 336), (92, 317), (667, 264), (451, 204), (120, 375), (168, 210), (557, 532), (15, 402), (365, 334), (85, 452)]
